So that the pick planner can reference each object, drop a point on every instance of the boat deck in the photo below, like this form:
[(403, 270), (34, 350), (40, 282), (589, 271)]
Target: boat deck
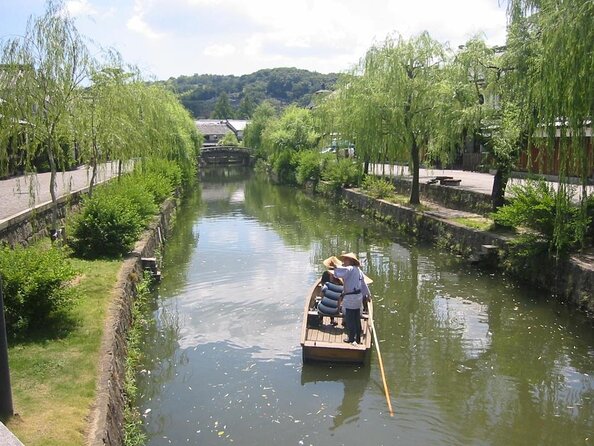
[(330, 334)]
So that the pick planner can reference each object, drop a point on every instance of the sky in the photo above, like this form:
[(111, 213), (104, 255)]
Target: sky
[(169, 38)]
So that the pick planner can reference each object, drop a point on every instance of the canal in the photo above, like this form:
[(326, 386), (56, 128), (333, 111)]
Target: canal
[(470, 357)]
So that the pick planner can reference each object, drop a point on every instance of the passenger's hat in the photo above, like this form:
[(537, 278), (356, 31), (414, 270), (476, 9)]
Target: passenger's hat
[(331, 262), (352, 256)]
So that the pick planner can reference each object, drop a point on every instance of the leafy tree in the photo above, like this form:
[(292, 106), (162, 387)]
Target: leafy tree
[(252, 136), (388, 104), (293, 131), (101, 118), (559, 38), (222, 108), (50, 64), (229, 140), (246, 107)]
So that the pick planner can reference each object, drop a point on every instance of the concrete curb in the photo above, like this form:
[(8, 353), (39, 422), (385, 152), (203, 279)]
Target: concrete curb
[(7, 438)]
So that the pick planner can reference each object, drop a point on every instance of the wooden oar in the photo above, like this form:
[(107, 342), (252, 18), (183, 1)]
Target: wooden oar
[(381, 364)]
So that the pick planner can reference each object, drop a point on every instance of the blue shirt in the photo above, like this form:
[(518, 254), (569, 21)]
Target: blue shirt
[(352, 277)]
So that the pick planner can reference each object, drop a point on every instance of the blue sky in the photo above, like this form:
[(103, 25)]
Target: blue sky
[(182, 37)]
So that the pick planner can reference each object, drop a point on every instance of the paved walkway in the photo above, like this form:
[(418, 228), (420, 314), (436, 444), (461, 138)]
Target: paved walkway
[(472, 181), (22, 193)]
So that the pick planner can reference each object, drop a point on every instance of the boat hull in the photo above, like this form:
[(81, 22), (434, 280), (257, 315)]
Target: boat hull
[(323, 342)]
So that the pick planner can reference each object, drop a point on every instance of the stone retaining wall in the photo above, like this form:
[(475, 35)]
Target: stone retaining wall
[(572, 281), (107, 414), (448, 196), (33, 224)]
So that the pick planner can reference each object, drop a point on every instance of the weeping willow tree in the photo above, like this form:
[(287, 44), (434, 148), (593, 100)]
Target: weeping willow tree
[(101, 121), (44, 71), (559, 84), (387, 104)]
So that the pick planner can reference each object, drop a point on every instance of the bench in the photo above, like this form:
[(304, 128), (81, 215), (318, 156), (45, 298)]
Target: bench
[(450, 182)]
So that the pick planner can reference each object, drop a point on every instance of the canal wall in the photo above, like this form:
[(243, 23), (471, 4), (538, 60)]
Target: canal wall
[(571, 281), (107, 415), (450, 197), (33, 224)]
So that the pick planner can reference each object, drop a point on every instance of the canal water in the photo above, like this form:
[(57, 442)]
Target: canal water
[(471, 358)]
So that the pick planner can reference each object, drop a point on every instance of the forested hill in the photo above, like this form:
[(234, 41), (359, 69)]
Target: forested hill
[(283, 86)]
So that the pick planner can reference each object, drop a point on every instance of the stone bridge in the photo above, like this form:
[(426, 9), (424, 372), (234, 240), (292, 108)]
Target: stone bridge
[(227, 155)]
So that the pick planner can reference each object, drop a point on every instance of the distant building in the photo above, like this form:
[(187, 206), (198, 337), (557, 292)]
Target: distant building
[(215, 129)]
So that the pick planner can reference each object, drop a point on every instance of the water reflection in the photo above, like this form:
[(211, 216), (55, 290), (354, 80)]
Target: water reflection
[(470, 357), (317, 379)]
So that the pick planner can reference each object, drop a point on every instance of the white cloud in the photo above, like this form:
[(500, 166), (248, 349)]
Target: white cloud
[(80, 7), (223, 50), (138, 24), (175, 37)]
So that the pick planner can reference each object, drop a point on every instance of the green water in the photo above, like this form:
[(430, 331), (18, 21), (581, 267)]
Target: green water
[(471, 358)]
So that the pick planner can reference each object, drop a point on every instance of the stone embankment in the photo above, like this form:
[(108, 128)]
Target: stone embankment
[(107, 415), (572, 281)]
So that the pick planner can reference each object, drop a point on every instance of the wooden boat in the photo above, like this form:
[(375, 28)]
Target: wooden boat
[(321, 341)]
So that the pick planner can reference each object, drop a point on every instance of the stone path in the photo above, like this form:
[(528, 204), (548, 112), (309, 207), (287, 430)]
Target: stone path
[(472, 181), (22, 193)]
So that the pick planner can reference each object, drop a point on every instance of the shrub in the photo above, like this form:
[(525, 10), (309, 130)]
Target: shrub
[(309, 167), (342, 173), (378, 187), (284, 164), (229, 140), (35, 283), (166, 168), (157, 184), (108, 225), (539, 207), (133, 188)]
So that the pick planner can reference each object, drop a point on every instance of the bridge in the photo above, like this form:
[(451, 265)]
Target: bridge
[(227, 155)]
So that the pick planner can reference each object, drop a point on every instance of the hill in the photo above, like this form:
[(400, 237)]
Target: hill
[(282, 86)]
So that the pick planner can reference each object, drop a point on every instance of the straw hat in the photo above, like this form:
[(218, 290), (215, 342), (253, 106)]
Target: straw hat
[(367, 280), (352, 256), (331, 262)]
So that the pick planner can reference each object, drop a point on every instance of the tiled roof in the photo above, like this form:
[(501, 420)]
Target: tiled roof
[(212, 126)]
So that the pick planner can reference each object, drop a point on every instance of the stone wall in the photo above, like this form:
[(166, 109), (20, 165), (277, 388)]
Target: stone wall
[(33, 224), (448, 196), (107, 414), (572, 281)]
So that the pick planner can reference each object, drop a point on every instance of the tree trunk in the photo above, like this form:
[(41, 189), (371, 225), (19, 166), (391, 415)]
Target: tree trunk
[(414, 190), (499, 185), (52, 186), (94, 170)]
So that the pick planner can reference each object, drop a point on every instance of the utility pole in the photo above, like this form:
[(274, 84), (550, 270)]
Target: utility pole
[(6, 409)]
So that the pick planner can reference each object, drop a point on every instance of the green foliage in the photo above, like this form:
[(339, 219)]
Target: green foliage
[(222, 108), (280, 86), (293, 131), (378, 187), (35, 283), (539, 207), (170, 170), (342, 173), (284, 164), (309, 167), (111, 220), (252, 136), (133, 433), (108, 225), (229, 140)]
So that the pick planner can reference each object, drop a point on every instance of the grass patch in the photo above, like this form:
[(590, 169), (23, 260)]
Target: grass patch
[(480, 223), (53, 380)]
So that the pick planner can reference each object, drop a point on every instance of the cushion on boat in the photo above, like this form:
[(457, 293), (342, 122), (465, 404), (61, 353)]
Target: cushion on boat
[(331, 303), (328, 311), (334, 287), (334, 295)]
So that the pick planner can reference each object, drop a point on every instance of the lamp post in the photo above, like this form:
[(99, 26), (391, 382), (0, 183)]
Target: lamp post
[(6, 408)]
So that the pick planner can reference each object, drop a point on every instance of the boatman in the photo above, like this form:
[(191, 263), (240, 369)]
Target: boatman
[(355, 291)]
